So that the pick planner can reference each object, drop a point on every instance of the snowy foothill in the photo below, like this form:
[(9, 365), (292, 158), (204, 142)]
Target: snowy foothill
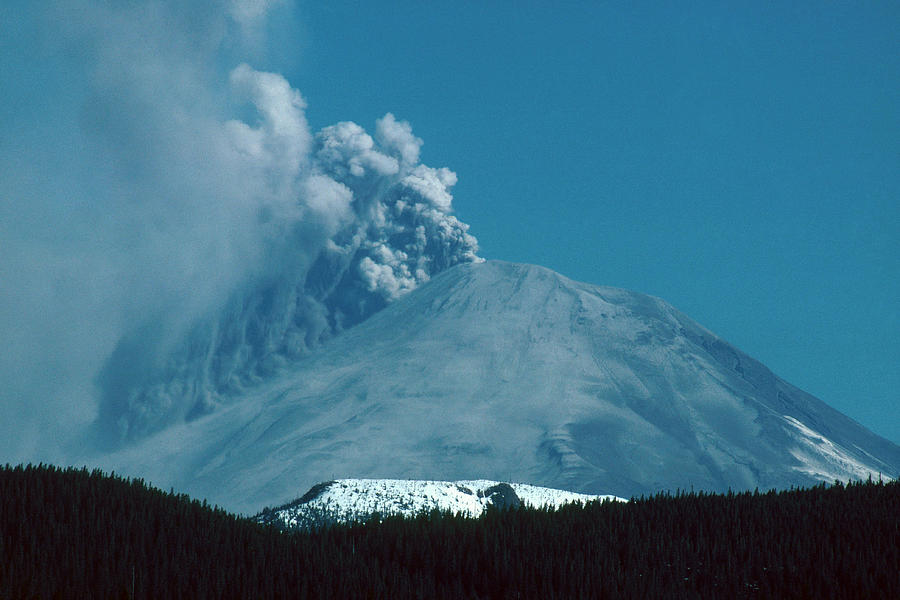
[(346, 500)]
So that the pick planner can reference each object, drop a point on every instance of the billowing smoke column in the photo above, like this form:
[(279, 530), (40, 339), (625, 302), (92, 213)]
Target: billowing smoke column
[(171, 230), (343, 224)]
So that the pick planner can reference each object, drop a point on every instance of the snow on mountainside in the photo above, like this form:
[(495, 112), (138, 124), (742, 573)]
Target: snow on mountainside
[(348, 500), (513, 372)]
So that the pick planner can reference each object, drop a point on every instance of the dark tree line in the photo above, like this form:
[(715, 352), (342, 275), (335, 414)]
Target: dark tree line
[(70, 533)]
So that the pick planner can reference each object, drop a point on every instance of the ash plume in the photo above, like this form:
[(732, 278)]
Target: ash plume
[(192, 234)]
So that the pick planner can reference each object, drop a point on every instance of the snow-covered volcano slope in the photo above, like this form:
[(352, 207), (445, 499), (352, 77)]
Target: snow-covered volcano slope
[(348, 500), (514, 373)]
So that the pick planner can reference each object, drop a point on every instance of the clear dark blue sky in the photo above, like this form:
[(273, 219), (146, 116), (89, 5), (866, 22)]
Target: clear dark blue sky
[(740, 160)]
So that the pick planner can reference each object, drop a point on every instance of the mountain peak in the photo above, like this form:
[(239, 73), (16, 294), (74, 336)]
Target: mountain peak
[(503, 371)]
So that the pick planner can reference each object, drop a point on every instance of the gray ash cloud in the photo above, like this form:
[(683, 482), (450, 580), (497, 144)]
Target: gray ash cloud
[(187, 233)]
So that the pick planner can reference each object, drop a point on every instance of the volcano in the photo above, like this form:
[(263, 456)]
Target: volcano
[(512, 372)]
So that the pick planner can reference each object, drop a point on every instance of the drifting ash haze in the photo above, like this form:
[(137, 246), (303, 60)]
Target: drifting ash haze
[(514, 373), (190, 235), (365, 224)]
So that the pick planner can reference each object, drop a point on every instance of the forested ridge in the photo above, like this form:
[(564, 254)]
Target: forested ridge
[(70, 533)]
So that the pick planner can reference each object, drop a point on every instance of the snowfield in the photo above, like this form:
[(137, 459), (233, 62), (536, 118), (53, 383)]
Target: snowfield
[(347, 500), (823, 459)]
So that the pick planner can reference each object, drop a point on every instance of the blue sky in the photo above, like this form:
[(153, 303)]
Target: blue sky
[(739, 160)]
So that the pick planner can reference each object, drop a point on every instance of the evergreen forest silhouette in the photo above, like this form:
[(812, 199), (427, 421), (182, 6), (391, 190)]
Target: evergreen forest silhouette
[(74, 533)]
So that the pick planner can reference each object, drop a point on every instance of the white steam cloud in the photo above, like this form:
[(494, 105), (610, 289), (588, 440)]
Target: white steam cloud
[(184, 251)]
